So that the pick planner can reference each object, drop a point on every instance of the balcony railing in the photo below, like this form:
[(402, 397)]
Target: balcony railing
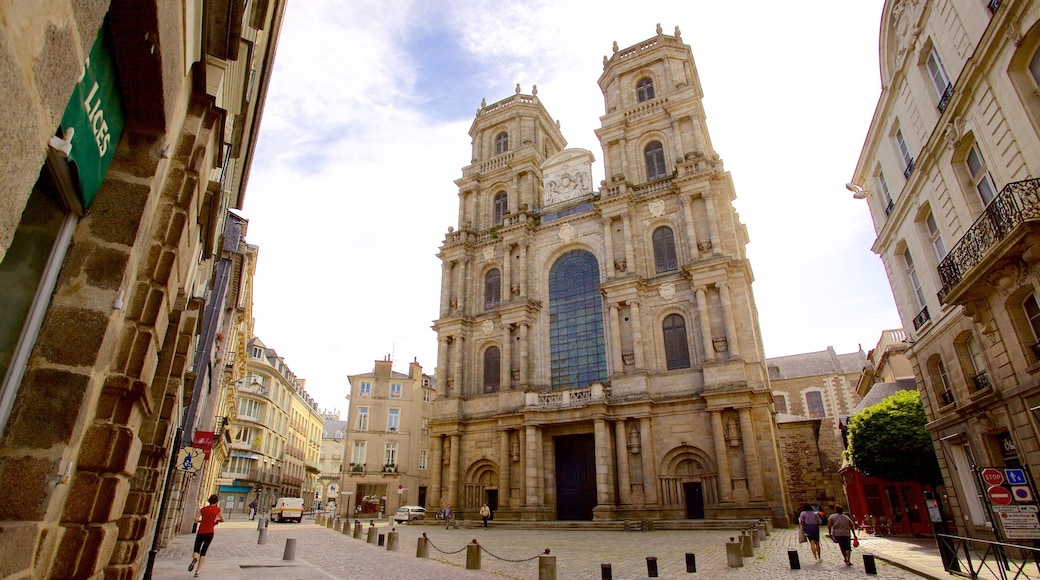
[(909, 169), (1017, 203), (921, 318), (945, 100), (981, 381), (889, 207), (993, 5)]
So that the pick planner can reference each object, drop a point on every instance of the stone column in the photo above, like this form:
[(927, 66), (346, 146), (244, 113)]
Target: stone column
[(713, 228), (445, 287), (505, 480), (603, 495), (436, 466), (453, 471), (507, 275), (532, 463), (732, 340), (506, 368), (441, 371), (698, 136), (691, 233), (624, 475), (457, 371), (616, 358), (718, 435), (539, 465), (677, 144), (630, 253), (637, 334), (463, 279), (706, 338), (523, 355), (649, 467), (754, 470), (623, 147), (608, 247), (523, 267)]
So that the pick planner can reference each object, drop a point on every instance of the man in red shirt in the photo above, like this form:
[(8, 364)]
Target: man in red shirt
[(207, 517)]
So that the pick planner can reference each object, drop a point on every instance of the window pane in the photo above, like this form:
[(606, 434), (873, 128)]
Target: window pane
[(780, 403), (492, 370), (644, 90), (664, 250), (814, 403), (501, 208), (654, 154), (576, 343), (492, 289), (1033, 315), (676, 347)]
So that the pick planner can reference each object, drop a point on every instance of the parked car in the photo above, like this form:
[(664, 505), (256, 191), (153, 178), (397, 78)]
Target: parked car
[(409, 513)]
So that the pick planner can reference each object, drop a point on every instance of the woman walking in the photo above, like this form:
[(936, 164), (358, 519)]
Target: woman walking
[(810, 523), (207, 517), (843, 530)]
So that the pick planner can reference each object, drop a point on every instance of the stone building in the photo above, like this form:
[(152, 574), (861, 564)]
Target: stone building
[(599, 355), (333, 448), (129, 128), (814, 394), (387, 447), (949, 171)]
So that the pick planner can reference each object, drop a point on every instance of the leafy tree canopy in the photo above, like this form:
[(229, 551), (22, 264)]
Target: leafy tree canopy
[(889, 440)]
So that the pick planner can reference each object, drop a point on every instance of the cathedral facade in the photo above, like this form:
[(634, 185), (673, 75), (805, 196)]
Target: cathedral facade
[(599, 356)]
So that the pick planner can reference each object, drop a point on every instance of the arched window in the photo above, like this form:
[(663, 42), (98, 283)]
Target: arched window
[(664, 250), (501, 143), (940, 381), (492, 370), (654, 154), (492, 289), (676, 348), (501, 204), (576, 343), (814, 405), (644, 89)]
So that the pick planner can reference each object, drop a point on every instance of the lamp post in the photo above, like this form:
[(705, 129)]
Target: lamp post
[(348, 512), (259, 488)]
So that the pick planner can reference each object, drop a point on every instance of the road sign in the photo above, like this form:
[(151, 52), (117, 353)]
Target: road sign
[(999, 495), (992, 476), (1015, 476), (1022, 493)]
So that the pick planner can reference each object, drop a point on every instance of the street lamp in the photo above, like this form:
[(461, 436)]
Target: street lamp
[(259, 488), (348, 512)]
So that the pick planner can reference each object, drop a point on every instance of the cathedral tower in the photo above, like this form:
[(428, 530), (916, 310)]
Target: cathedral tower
[(599, 352)]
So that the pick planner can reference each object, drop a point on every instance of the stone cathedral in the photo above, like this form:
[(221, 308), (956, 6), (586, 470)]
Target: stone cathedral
[(599, 356)]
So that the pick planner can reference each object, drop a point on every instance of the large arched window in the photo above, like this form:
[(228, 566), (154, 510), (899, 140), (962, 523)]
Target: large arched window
[(676, 347), (492, 289), (501, 143), (501, 204), (492, 370), (654, 154), (576, 343), (644, 89), (664, 250)]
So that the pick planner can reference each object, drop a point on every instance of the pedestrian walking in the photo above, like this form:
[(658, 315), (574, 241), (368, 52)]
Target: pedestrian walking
[(207, 517), (842, 530), (447, 516), (809, 523), (252, 509), (485, 513)]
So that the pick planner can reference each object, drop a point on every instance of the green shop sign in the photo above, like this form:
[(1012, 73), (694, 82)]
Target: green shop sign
[(93, 120)]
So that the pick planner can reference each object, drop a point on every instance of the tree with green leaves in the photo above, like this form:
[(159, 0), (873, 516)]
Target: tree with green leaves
[(889, 440)]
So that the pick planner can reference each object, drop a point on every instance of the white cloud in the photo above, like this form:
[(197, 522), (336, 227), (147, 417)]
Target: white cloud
[(352, 188)]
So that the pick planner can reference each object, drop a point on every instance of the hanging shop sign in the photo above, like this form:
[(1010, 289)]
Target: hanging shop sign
[(93, 120)]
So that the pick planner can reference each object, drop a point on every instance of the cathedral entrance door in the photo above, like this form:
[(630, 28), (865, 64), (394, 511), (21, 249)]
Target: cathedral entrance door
[(575, 476), (694, 500)]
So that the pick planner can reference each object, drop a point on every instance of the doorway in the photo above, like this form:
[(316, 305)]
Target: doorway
[(575, 476), (694, 500)]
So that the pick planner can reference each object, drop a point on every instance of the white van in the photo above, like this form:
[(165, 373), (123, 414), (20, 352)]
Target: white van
[(288, 509)]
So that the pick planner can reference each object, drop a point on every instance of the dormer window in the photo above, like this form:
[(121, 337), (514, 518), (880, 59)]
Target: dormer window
[(501, 143), (644, 90)]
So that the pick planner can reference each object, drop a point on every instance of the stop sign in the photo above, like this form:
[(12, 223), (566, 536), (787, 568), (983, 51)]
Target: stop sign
[(999, 495), (992, 476)]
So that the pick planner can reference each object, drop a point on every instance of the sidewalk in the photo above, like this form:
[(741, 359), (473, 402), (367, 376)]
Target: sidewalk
[(325, 553)]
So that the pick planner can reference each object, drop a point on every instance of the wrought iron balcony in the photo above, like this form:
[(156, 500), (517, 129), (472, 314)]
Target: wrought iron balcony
[(981, 381), (993, 5), (888, 208), (1017, 203), (909, 169), (947, 397), (921, 318), (945, 100)]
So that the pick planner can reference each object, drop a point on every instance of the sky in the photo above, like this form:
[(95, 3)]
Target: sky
[(366, 127)]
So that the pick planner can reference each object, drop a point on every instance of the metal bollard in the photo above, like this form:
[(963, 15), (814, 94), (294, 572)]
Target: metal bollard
[(651, 566), (422, 549), (262, 539), (382, 540), (869, 566), (372, 531), (290, 549), (358, 530), (606, 572), (691, 563), (734, 554), (546, 566), (792, 556), (473, 555)]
